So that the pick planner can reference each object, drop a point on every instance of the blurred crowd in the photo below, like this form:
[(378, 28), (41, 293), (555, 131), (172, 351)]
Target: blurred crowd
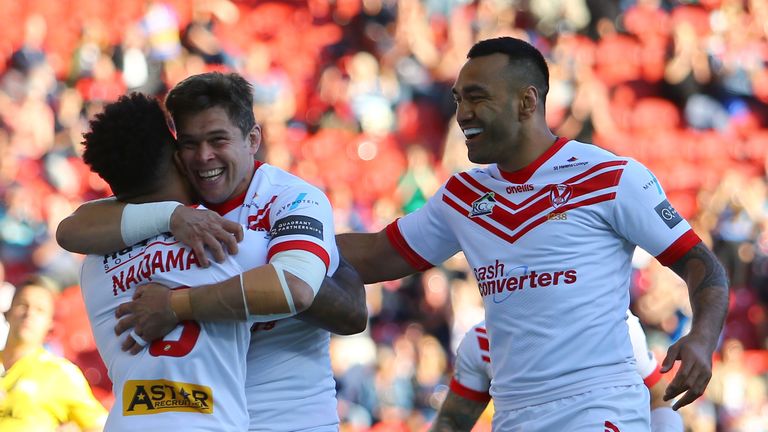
[(354, 96)]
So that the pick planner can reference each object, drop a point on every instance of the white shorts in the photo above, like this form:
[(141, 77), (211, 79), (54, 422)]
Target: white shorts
[(610, 409)]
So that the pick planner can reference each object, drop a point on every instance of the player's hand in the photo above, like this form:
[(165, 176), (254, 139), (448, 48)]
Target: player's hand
[(201, 229), (695, 369), (149, 315)]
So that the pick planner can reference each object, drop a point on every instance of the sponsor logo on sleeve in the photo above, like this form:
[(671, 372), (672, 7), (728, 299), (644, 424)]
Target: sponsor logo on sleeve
[(653, 183), (483, 205), (668, 214), (142, 397), (301, 201), (297, 225)]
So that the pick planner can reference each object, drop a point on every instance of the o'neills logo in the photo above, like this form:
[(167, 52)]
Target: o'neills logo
[(519, 188), (495, 279), (560, 194)]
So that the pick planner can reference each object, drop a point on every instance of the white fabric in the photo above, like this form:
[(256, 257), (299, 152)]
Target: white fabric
[(644, 357), (472, 368), (215, 358), (142, 221), (284, 285), (288, 360), (302, 264), (610, 409), (552, 263), (665, 419)]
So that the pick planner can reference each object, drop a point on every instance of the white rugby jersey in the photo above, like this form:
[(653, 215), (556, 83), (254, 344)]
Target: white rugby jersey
[(550, 246), (288, 360), (472, 370), (194, 376)]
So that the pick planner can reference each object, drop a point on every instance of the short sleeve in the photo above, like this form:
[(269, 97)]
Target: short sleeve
[(470, 368), (425, 236), (644, 216), (302, 218)]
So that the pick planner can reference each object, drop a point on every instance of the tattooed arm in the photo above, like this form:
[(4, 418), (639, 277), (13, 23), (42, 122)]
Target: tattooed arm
[(708, 293), (457, 414)]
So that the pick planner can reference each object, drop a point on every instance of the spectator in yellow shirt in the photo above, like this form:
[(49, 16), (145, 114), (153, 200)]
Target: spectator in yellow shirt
[(40, 391)]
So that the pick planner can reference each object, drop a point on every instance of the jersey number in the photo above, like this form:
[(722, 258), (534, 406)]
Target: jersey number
[(190, 332)]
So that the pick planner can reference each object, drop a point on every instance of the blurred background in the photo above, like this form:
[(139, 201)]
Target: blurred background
[(354, 96)]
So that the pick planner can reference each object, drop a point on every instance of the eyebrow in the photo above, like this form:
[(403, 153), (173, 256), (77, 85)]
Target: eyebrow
[(209, 133), (471, 88)]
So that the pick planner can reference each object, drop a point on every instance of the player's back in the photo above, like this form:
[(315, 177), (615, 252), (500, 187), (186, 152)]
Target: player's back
[(195, 375)]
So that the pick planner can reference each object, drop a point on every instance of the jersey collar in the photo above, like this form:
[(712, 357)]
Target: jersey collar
[(524, 174), (232, 203)]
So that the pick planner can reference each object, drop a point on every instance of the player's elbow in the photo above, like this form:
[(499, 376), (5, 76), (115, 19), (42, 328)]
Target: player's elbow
[(65, 237), (354, 323), (301, 293)]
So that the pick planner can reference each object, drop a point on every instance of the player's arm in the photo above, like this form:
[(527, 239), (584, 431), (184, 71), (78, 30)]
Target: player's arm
[(280, 289), (708, 293), (104, 226), (458, 414), (373, 256), (339, 305)]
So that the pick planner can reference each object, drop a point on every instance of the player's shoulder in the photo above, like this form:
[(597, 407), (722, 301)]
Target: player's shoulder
[(578, 151), (282, 180)]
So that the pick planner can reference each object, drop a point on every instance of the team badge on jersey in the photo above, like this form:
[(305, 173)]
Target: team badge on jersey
[(483, 205), (560, 194)]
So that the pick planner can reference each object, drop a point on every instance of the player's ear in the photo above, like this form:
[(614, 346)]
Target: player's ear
[(254, 139), (529, 98)]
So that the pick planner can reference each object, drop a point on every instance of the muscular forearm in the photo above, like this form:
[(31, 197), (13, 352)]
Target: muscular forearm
[(708, 291), (94, 228), (373, 256), (457, 414), (339, 306), (259, 295)]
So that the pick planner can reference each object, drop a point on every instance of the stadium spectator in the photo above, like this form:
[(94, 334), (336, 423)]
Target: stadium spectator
[(41, 391)]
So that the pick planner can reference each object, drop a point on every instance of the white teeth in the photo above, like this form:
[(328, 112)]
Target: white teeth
[(210, 174), (471, 132)]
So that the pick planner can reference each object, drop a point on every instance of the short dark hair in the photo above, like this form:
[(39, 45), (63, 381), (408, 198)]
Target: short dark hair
[(521, 54), (129, 144), (200, 92)]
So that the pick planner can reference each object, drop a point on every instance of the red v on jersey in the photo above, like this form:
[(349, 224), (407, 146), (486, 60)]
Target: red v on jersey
[(512, 220)]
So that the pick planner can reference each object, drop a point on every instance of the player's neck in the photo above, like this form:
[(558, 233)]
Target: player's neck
[(529, 148)]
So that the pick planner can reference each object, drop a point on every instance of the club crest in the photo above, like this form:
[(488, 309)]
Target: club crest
[(560, 194)]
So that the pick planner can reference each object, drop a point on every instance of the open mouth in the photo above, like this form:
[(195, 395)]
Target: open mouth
[(211, 174), (470, 133)]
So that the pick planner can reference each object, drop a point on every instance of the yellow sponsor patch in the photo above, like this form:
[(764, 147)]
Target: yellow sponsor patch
[(160, 396)]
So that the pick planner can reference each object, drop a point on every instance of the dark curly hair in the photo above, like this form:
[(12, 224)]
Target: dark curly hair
[(129, 145), (523, 56)]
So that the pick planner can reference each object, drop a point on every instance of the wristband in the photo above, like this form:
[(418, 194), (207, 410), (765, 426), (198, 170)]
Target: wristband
[(142, 221)]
